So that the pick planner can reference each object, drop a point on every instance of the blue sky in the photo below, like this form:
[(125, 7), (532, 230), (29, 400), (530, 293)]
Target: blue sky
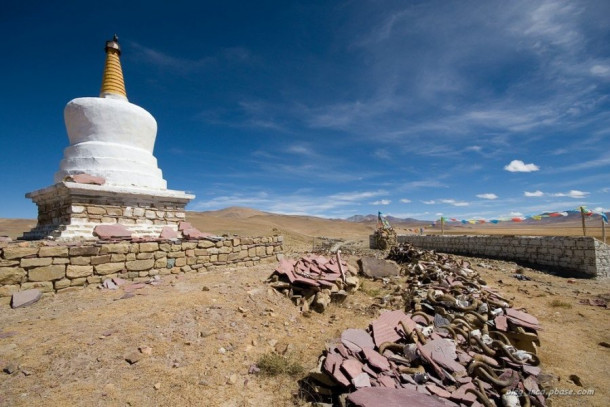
[(469, 109)]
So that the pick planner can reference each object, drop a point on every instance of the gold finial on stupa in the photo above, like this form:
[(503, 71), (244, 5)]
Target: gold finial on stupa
[(112, 81)]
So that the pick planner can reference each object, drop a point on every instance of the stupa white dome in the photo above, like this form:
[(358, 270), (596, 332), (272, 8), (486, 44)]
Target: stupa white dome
[(110, 137)]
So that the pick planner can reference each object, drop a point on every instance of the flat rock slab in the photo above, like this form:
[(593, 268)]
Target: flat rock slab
[(387, 397), (528, 319), (168, 233), (357, 339), (385, 328), (352, 368), (86, 179), (379, 268), (112, 232), (193, 234), (25, 298), (376, 360)]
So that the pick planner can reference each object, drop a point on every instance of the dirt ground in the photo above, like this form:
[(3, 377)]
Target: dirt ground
[(201, 333)]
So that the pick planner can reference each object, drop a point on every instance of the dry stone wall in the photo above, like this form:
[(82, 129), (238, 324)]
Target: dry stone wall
[(584, 256), (49, 266)]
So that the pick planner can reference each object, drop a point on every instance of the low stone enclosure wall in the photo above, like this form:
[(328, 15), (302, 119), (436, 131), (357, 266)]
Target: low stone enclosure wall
[(573, 256), (50, 266)]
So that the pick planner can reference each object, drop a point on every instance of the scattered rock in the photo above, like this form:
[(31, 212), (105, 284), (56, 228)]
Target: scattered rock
[(25, 298), (10, 368), (378, 268), (134, 357), (576, 380)]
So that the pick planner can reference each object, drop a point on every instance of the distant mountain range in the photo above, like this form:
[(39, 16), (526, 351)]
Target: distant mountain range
[(391, 219), (572, 217)]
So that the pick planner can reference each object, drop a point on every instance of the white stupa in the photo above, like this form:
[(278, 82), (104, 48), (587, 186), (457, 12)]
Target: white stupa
[(112, 142)]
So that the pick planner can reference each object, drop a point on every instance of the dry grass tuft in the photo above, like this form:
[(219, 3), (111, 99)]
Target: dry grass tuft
[(560, 304), (273, 364)]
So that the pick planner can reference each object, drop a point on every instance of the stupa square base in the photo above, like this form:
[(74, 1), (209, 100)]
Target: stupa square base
[(71, 211)]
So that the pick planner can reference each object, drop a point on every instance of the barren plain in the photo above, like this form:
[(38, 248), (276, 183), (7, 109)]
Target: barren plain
[(197, 335)]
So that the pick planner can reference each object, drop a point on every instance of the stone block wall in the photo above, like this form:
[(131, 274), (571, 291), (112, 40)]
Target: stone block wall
[(585, 256), (49, 266)]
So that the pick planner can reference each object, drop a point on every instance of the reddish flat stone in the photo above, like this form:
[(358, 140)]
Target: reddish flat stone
[(25, 298), (387, 397), (531, 370), (331, 277), (512, 375), (376, 360), (306, 281), (387, 381), (86, 179), (362, 380), (434, 389), (443, 352), (523, 324), (332, 365), (385, 328), (351, 367), (522, 316), (341, 350), (501, 323), (369, 371), (461, 395), (193, 234), (115, 231), (464, 357), (330, 362), (358, 337), (184, 226), (285, 265), (168, 233), (426, 355)]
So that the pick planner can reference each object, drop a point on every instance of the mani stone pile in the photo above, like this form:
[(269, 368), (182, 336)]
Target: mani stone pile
[(457, 343), (313, 281)]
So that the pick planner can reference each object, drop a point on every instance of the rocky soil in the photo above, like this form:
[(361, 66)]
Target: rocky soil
[(194, 338)]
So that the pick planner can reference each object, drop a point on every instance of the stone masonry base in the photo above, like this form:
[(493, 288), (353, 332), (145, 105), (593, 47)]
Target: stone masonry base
[(53, 267), (69, 211)]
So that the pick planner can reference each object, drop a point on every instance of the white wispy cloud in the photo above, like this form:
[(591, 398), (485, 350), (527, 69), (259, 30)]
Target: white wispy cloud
[(431, 202), (520, 166), (533, 194), (405, 200), (573, 194), (382, 202), (301, 149), (601, 70), (453, 202), (487, 196), (357, 196)]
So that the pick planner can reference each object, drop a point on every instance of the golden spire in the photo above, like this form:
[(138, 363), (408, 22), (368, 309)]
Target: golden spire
[(112, 81)]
